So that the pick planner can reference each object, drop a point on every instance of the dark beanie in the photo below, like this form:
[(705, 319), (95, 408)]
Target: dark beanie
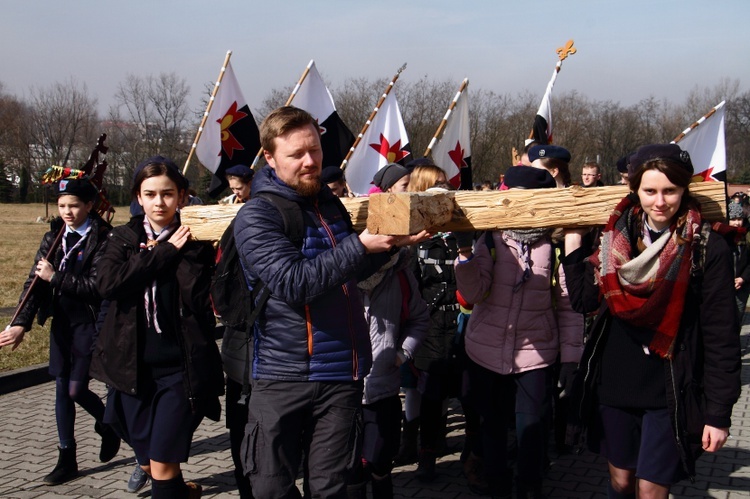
[(81, 188), (548, 151), (242, 171), (387, 176), (331, 174), (668, 152), (623, 162), (528, 177)]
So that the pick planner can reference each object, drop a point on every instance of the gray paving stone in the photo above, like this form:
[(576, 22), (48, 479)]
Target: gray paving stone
[(28, 452)]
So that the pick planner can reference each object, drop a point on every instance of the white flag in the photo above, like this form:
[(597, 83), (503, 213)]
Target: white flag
[(705, 143), (385, 141), (453, 152), (313, 96), (230, 135)]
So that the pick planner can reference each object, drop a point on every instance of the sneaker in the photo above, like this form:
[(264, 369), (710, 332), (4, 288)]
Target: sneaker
[(138, 479)]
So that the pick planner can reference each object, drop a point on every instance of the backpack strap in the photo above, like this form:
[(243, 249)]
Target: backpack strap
[(291, 214)]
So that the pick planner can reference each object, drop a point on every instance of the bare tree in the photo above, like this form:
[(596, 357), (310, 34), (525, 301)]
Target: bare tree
[(152, 115), (63, 118)]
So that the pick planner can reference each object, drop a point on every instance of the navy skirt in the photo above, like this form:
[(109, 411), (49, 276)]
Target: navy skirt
[(158, 423)]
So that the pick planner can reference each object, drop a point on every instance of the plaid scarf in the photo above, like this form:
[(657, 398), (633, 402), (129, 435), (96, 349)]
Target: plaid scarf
[(646, 288)]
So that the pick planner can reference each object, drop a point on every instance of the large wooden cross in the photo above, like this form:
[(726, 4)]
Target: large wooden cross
[(409, 213)]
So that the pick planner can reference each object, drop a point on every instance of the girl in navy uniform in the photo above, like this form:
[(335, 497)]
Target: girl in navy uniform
[(156, 347), (66, 290)]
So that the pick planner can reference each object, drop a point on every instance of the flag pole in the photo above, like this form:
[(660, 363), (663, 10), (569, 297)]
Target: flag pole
[(208, 109), (453, 103), (562, 54), (288, 103), (372, 116), (701, 120)]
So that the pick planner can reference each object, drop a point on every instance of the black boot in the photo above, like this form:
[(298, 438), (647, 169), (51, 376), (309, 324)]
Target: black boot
[(529, 490), (175, 488), (426, 469), (110, 442), (382, 487), (66, 469), (407, 452)]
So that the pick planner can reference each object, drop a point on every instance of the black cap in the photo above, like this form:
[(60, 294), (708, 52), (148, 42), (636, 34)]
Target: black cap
[(668, 152), (622, 163), (549, 151), (387, 176), (81, 188), (419, 162), (331, 174), (243, 171), (528, 177)]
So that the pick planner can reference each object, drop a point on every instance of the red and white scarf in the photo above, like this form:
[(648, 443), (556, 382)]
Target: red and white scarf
[(646, 288)]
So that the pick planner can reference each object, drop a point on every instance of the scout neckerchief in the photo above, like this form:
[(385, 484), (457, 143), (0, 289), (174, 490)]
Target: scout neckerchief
[(150, 293), (67, 253)]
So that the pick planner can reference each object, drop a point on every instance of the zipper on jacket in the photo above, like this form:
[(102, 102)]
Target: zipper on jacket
[(675, 399), (588, 366), (355, 357)]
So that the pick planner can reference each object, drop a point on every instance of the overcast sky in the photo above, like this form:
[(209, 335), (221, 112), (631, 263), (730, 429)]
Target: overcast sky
[(627, 50)]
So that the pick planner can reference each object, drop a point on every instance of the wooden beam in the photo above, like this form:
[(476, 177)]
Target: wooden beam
[(408, 213), (523, 209)]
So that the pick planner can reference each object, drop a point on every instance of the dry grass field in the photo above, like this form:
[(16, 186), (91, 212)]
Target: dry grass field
[(21, 234)]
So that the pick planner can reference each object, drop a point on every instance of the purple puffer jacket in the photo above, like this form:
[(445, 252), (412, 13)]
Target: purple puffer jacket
[(516, 331)]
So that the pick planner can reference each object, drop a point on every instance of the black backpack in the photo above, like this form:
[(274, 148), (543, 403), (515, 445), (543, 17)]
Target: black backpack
[(232, 298)]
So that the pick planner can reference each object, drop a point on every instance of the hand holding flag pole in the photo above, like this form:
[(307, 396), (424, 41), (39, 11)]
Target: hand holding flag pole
[(372, 115), (92, 169), (208, 110)]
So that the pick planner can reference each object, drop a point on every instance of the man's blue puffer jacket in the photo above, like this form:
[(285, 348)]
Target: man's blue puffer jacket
[(313, 326)]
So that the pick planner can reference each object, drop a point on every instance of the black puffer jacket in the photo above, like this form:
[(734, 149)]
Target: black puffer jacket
[(703, 378), (125, 271), (79, 285)]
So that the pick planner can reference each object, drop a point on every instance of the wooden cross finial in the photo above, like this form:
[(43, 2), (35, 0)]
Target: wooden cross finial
[(565, 51)]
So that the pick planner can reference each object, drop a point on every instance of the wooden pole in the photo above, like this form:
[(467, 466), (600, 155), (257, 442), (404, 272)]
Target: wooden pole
[(444, 121), (404, 213), (701, 120), (208, 110), (372, 116), (562, 54), (288, 103)]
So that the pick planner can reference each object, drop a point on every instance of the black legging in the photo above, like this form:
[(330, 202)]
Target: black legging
[(67, 394)]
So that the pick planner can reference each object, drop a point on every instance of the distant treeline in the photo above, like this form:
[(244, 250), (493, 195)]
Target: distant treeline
[(58, 125)]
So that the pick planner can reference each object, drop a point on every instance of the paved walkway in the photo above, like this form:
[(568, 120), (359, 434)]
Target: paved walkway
[(28, 452)]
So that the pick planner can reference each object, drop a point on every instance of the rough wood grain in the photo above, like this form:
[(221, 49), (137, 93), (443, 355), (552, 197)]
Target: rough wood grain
[(523, 209), (470, 210)]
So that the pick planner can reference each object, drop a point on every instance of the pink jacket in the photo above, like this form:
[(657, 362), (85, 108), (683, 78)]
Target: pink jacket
[(511, 332)]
